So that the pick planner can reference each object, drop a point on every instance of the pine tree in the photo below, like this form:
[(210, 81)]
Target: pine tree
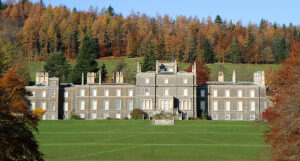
[(234, 55), (103, 73), (208, 52), (149, 58), (86, 60), (58, 66), (218, 20)]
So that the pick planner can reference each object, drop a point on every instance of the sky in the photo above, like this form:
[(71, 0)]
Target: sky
[(279, 11)]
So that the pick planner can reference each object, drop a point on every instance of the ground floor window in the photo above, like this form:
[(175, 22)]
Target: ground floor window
[(165, 105), (240, 116), (105, 116), (227, 116), (94, 115), (44, 117), (130, 104), (147, 104), (129, 116), (82, 115), (118, 105), (252, 116), (118, 116), (185, 104), (65, 116), (215, 116), (202, 105)]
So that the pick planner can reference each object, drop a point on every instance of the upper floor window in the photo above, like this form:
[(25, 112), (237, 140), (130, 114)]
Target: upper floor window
[(147, 80), (240, 93), (32, 105), (240, 106), (130, 92), (82, 104), (66, 106), (53, 106), (184, 81), (106, 105), (33, 93), (52, 93), (82, 92), (214, 93), (166, 81), (94, 92), (44, 94), (202, 93), (147, 93), (252, 106), (94, 105), (44, 105), (118, 92), (106, 92), (227, 93), (66, 94), (252, 93), (227, 106), (166, 92), (215, 105), (118, 105), (185, 92)]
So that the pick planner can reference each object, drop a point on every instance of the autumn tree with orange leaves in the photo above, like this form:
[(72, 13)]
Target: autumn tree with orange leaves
[(283, 118), (202, 72), (17, 142)]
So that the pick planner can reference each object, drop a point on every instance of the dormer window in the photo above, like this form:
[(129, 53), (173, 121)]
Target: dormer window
[(171, 70)]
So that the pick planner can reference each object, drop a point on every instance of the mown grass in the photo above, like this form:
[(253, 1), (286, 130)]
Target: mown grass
[(140, 140), (244, 71)]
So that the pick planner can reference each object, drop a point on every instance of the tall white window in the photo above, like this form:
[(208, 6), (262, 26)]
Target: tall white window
[(94, 115), (106, 105), (52, 93), (82, 104), (252, 93), (106, 92), (215, 117), (105, 115), (202, 105), (215, 105), (130, 93), (82, 115), (252, 106), (44, 117), (94, 105), (53, 106), (165, 105), (44, 94), (185, 81), (52, 117), (240, 93), (82, 92), (147, 80), (130, 104), (227, 116), (66, 94), (252, 116), (147, 104), (240, 116), (185, 104), (227, 93), (44, 105), (202, 93), (33, 93), (94, 92), (32, 105), (166, 81), (118, 105), (185, 92), (147, 93), (166, 92), (240, 106), (118, 116), (118, 92), (214, 93), (227, 104), (66, 106)]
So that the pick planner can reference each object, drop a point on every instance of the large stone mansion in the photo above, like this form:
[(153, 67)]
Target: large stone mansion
[(164, 90)]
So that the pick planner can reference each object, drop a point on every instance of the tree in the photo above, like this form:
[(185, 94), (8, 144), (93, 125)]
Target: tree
[(38, 113), (137, 114), (85, 61), (103, 73), (267, 55), (149, 58), (17, 142), (218, 20), (57, 66), (202, 72), (283, 116), (208, 52), (234, 55)]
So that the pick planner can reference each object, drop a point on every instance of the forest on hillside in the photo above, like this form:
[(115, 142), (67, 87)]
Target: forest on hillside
[(39, 31)]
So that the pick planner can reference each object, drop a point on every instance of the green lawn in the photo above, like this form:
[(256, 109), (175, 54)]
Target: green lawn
[(244, 71), (139, 140)]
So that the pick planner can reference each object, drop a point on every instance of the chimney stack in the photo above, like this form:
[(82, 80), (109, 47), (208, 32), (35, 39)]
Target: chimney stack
[(234, 77), (175, 70), (138, 67), (82, 78), (221, 76), (259, 78), (91, 77), (121, 77), (194, 67), (117, 77)]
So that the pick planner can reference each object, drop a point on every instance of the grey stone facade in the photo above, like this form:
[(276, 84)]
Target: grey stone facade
[(164, 90)]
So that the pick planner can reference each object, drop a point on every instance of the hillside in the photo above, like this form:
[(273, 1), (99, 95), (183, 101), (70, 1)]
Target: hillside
[(244, 71)]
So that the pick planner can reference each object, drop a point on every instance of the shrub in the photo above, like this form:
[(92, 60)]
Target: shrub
[(164, 116), (76, 117), (38, 113), (203, 115), (137, 114)]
